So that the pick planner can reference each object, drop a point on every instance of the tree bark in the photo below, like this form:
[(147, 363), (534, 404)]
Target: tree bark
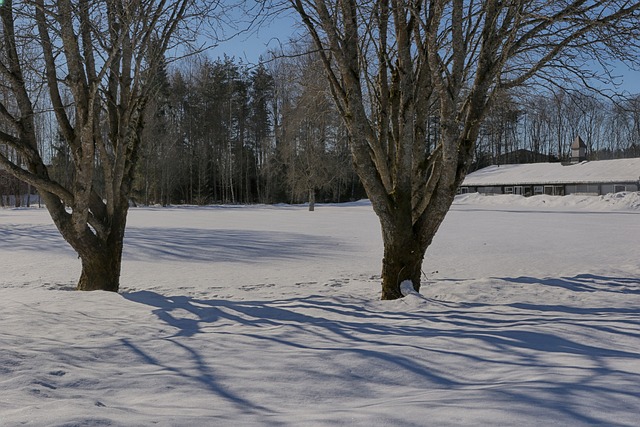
[(402, 261), (101, 270), (312, 199), (102, 261), (99, 253)]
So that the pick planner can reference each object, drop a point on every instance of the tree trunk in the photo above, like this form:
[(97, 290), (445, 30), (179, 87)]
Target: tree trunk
[(312, 200), (102, 259), (402, 261), (101, 271), (105, 267), (100, 254)]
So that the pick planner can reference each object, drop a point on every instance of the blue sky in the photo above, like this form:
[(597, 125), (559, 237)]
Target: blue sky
[(250, 46), (630, 79)]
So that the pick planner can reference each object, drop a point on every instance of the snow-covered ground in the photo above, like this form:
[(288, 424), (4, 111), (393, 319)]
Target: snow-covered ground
[(262, 315)]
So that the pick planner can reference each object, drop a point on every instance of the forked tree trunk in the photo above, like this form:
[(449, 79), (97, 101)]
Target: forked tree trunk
[(406, 239), (100, 255), (102, 260)]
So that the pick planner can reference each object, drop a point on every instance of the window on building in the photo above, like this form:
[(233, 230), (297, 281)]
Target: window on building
[(554, 190), (619, 188)]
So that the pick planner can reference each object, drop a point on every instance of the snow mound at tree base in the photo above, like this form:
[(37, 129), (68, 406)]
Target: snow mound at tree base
[(406, 288)]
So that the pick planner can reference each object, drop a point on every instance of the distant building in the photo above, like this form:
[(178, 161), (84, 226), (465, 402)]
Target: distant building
[(581, 177), (578, 150)]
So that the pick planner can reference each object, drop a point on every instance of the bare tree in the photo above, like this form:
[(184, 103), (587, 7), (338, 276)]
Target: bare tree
[(392, 64), (105, 55), (311, 121)]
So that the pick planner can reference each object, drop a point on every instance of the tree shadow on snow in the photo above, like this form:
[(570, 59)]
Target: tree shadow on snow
[(205, 374), (184, 244), (585, 283), (188, 244), (432, 347), (44, 238), (191, 317)]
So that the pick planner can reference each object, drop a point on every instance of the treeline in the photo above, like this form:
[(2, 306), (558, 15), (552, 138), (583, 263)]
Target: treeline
[(14, 192), (221, 131)]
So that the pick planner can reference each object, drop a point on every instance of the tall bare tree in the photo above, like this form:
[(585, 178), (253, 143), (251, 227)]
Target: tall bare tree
[(97, 62), (393, 64)]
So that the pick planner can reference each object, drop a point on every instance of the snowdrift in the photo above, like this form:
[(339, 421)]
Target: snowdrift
[(627, 200), (528, 315)]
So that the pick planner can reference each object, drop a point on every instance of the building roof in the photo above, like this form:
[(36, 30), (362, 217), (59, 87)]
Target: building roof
[(602, 171)]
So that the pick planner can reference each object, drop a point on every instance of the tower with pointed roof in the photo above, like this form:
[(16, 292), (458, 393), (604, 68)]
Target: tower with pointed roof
[(578, 150)]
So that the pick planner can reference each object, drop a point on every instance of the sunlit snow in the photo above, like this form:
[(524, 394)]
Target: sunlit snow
[(529, 315)]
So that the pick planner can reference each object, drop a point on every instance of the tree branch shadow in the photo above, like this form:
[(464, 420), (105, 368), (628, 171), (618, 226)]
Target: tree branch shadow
[(197, 245), (585, 283), (428, 346), (184, 244), (205, 374)]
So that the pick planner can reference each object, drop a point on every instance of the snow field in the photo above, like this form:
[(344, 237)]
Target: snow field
[(529, 316)]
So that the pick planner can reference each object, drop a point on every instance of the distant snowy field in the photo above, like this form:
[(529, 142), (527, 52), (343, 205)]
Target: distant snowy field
[(268, 315)]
